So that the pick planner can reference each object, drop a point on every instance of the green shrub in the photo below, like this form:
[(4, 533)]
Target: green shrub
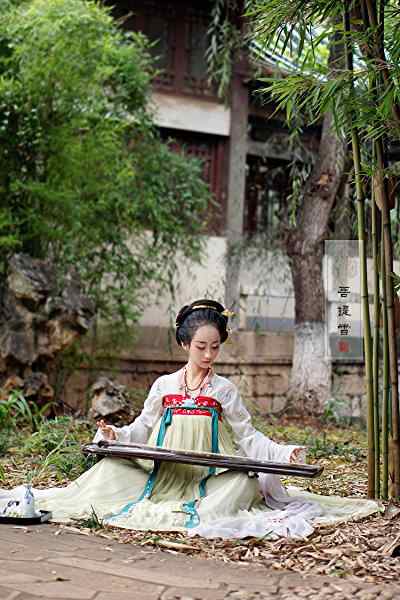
[(57, 444), (84, 175)]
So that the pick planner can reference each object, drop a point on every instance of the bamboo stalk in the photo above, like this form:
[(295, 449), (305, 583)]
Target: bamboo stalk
[(375, 347), (387, 240), (363, 258), (385, 381), (376, 21), (371, 9), (382, 81)]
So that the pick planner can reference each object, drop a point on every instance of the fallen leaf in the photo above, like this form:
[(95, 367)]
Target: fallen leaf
[(392, 548), (391, 511), (175, 545)]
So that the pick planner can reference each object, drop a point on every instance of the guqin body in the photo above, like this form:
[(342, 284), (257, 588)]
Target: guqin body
[(207, 459)]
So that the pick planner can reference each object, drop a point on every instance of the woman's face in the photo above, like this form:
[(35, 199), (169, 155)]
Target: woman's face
[(204, 347)]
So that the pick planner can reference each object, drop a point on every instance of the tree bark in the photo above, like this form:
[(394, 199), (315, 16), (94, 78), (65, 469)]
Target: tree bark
[(310, 381)]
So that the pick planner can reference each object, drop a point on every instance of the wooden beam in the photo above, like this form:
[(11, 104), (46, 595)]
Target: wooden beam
[(236, 186), (277, 147)]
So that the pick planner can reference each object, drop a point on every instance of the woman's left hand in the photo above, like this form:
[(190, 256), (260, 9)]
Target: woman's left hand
[(296, 454)]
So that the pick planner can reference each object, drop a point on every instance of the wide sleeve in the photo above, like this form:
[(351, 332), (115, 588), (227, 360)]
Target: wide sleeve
[(139, 430), (252, 443)]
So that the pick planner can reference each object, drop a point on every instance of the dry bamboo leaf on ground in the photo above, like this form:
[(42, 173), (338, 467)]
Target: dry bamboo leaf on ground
[(175, 545)]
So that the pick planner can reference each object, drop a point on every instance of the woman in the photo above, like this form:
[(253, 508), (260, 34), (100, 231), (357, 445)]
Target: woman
[(196, 409)]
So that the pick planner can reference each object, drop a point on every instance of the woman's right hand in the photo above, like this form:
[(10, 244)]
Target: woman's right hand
[(107, 431)]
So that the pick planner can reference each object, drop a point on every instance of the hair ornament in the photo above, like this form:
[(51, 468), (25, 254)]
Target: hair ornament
[(205, 306), (189, 308)]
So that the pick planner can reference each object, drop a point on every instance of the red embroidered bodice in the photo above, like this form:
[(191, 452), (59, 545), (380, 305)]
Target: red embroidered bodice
[(177, 403)]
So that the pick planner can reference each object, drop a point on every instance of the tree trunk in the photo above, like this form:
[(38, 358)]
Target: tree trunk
[(310, 381)]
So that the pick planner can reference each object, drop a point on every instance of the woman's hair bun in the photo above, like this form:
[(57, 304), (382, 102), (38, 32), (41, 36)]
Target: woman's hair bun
[(180, 317), (200, 312)]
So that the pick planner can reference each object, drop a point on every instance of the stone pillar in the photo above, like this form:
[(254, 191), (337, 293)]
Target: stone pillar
[(236, 186)]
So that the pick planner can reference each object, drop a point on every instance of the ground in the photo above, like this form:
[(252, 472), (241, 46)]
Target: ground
[(367, 550), (50, 561)]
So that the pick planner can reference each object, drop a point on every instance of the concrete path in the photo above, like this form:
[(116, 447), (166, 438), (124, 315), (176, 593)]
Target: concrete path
[(50, 562)]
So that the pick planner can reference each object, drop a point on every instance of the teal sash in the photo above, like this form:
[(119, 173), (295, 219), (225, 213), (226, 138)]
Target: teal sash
[(190, 507)]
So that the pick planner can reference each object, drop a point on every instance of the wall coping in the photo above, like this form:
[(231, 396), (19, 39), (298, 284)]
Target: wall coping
[(157, 344)]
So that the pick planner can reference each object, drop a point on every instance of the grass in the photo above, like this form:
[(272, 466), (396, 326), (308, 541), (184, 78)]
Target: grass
[(322, 439), (342, 451), (93, 522), (49, 456)]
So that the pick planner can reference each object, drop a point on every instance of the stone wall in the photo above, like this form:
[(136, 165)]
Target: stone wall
[(258, 363)]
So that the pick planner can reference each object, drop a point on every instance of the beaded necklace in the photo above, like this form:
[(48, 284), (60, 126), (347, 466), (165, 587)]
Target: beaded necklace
[(199, 386)]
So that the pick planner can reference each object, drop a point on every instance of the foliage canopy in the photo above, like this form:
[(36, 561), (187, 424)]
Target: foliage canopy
[(84, 177), (303, 28)]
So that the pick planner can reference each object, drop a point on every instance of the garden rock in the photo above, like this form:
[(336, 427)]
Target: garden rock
[(35, 387), (110, 400), (40, 316)]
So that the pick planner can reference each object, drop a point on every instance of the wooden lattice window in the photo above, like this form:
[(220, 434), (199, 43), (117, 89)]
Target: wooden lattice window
[(158, 23), (267, 189), (210, 149), (196, 78), (178, 32)]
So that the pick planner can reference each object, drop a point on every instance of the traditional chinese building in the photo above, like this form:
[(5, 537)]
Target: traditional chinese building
[(246, 152)]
